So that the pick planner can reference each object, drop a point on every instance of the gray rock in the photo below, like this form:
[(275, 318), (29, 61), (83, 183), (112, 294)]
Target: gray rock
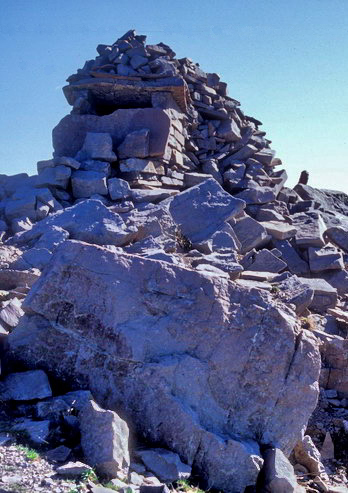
[(52, 409), (54, 177), (234, 175), (37, 257), (257, 195), (87, 183), (139, 346), (66, 161), (166, 465), (118, 189), (102, 167), (136, 144), (229, 131), (310, 229), (250, 234), (37, 431), (265, 156), (138, 61), (325, 296), (58, 454), (10, 313), (25, 386), (279, 230), (24, 207), (306, 454), (337, 279), (104, 440), (88, 221), (77, 399), (295, 263), (268, 262), (245, 152), (227, 262), (339, 236), (193, 179), (209, 207), (278, 473), (326, 258), (293, 291), (73, 469), (97, 146), (210, 167)]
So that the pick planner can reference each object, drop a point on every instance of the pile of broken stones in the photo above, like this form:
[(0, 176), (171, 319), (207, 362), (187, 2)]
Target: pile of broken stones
[(159, 264)]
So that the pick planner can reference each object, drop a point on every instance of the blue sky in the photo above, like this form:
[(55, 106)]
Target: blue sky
[(285, 60)]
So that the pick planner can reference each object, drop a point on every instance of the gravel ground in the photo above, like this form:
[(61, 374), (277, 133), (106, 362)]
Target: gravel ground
[(21, 471)]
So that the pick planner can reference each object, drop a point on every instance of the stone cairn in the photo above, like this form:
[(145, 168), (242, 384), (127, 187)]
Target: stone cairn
[(156, 161)]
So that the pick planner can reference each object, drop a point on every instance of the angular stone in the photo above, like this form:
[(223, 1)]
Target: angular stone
[(257, 195), (250, 234), (325, 296), (229, 131), (337, 279), (154, 196), (10, 313), (136, 144), (193, 179), (211, 167), (294, 292), (54, 177), (102, 167), (21, 207), (310, 229), (66, 161), (37, 431), (73, 469), (87, 183), (139, 346), (37, 257), (339, 236), (307, 454), (208, 205), (327, 450), (118, 189), (265, 156), (279, 230), (104, 440), (245, 152), (277, 473), (25, 386), (97, 146), (295, 263), (166, 465), (135, 164), (266, 261), (227, 262), (58, 454), (326, 258)]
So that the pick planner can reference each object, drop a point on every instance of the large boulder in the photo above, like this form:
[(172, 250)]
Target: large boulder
[(208, 369)]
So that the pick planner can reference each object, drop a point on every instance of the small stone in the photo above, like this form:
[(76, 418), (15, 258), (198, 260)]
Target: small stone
[(118, 189), (327, 450), (73, 469), (59, 454)]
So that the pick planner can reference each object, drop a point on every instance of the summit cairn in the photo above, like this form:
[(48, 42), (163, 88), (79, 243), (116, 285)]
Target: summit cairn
[(158, 264)]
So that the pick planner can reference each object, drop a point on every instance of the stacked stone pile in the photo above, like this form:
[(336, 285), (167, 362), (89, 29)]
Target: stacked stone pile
[(217, 285)]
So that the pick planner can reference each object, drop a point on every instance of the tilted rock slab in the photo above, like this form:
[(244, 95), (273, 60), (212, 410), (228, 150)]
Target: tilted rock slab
[(204, 367)]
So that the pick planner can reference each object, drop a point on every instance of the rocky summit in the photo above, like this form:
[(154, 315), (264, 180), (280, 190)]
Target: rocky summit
[(171, 314)]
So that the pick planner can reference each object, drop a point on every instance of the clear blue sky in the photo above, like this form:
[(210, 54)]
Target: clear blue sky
[(285, 60)]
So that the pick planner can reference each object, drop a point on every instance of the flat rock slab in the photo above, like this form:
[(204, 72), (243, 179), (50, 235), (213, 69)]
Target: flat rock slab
[(268, 262), (178, 352), (88, 221), (326, 258), (279, 230), (25, 386), (295, 263), (310, 229), (325, 296), (200, 211), (166, 465)]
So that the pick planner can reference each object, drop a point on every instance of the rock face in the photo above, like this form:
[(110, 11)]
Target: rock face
[(158, 341)]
